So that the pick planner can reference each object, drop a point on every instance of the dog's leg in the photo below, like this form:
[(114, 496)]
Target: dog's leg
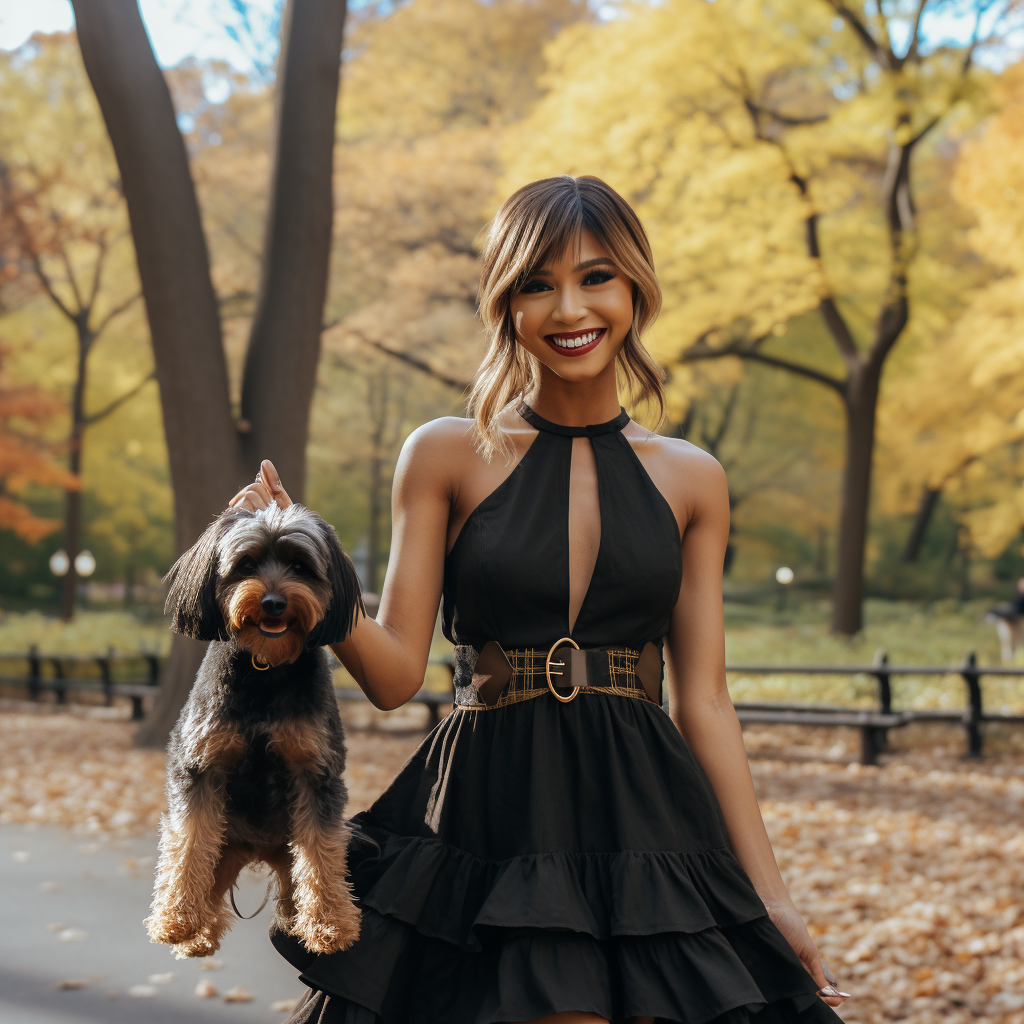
[(206, 942), (191, 835), (190, 844), (326, 917), (281, 863)]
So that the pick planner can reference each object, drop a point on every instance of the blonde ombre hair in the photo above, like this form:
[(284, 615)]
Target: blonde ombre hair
[(534, 225)]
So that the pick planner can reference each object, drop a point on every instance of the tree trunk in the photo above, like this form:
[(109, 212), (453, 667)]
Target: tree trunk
[(861, 404), (208, 457), (73, 498), (284, 349), (174, 267), (925, 508)]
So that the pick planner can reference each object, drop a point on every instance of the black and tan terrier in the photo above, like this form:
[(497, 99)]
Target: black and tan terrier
[(255, 761)]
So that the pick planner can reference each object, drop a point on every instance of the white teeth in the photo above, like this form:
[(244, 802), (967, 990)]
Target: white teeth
[(583, 339)]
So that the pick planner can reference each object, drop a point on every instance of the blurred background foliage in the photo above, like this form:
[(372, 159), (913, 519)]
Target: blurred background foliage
[(728, 124)]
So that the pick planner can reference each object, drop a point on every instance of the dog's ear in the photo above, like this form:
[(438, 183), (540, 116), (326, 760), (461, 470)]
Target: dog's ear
[(346, 602), (192, 594)]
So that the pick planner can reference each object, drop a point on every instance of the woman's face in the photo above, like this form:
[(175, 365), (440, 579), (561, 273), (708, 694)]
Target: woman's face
[(573, 313)]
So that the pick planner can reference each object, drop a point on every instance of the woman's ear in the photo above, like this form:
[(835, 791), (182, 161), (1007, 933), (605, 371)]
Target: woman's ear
[(192, 594), (346, 602)]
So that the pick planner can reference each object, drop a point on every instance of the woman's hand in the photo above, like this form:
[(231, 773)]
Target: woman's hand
[(788, 920), (266, 488)]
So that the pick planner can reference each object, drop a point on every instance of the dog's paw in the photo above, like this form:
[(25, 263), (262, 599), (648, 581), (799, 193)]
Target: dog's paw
[(203, 944), (172, 925), (326, 936)]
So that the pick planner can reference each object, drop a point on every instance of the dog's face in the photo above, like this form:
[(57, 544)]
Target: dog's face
[(274, 580)]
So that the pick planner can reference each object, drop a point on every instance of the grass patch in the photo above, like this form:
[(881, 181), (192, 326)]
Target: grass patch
[(912, 632)]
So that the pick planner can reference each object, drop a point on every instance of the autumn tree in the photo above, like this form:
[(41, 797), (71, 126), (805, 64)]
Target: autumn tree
[(959, 430), (213, 447), (66, 233), (775, 152)]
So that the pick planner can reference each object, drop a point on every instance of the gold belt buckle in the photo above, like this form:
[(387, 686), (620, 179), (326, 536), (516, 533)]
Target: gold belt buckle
[(548, 673)]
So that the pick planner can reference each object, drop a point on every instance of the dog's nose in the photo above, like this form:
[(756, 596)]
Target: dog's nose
[(274, 604)]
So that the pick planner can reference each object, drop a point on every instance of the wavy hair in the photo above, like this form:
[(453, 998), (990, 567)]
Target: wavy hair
[(534, 225)]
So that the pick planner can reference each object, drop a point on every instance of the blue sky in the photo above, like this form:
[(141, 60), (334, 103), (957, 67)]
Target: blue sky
[(211, 28), (177, 28)]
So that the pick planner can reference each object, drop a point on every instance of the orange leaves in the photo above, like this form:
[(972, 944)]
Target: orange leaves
[(26, 458)]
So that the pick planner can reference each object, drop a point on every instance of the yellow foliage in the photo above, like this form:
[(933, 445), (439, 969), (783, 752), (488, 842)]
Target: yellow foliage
[(959, 421)]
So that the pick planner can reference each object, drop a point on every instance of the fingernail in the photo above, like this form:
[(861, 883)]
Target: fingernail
[(830, 990), (845, 995)]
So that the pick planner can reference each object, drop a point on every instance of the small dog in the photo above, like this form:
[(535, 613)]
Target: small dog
[(255, 761)]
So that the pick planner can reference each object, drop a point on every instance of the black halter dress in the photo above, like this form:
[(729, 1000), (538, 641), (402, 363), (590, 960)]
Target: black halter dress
[(541, 856)]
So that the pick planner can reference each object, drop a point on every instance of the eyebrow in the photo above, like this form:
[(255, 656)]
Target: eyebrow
[(585, 265)]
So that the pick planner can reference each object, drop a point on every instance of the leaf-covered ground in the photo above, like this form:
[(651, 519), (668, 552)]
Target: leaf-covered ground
[(910, 875)]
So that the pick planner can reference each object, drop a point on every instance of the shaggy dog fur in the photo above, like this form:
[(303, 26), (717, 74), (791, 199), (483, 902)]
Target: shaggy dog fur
[(255, 762)]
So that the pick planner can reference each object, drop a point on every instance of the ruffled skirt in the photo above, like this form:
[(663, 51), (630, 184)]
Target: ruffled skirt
[(544, 857)]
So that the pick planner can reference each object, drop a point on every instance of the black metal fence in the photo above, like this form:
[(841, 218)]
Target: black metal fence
[(136, 677)]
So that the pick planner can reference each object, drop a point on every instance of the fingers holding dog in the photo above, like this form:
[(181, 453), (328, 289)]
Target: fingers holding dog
[(267, 487)]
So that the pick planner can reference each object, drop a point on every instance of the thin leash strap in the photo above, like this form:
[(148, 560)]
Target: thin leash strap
[(266, 896)]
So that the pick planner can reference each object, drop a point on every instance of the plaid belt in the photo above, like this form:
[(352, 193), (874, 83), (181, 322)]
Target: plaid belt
[(494, 677)]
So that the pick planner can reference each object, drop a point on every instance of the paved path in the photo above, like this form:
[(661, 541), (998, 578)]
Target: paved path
[(71, 910)]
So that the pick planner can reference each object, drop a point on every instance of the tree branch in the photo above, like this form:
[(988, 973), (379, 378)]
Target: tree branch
[(756, 109), (834, 320), (44, 280), (116, 311), (413, 361), (912, 50), (702, 350), (118, 402), (97, 274), (882, 54), (71, 278)]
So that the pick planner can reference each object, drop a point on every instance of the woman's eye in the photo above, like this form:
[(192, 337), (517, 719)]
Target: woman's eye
[(598, 277), (535, 286)]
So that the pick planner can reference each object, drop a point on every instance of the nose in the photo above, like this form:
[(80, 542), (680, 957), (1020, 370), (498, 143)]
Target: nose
[(274, 604), (570, 309)]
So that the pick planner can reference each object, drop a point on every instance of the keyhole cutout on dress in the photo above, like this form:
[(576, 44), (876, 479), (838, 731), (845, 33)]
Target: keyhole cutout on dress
[(584, 524)]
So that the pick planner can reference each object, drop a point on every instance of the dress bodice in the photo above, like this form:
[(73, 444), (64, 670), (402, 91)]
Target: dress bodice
[(507, 576)]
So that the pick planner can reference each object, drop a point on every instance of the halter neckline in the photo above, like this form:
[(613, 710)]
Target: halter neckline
[(591, 430)]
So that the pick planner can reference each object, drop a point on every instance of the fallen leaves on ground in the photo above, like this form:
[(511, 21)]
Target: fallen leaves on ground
[(909, 875)]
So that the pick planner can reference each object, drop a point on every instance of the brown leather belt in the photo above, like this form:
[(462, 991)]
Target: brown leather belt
[(494, 677)]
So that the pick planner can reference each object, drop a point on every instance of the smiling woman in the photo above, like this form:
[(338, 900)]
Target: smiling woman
[(559, 850)]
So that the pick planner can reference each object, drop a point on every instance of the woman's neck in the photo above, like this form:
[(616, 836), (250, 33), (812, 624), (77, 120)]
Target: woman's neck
[(575, 403)]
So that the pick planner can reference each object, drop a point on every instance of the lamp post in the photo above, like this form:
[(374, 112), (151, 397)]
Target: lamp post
[(784, 577), (60, 563)]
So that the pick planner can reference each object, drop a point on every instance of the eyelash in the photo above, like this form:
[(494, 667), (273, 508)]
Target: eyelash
[(604, 275)]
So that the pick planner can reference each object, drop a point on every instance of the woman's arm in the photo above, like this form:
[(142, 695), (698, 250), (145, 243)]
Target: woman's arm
[(388, 657), (702, 709)]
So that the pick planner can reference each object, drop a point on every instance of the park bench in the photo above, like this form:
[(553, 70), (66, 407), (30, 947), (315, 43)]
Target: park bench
[(57, 673), (60, 673)]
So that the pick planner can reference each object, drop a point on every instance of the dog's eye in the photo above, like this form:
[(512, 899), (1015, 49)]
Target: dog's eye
[(300, 568), (246, 567)]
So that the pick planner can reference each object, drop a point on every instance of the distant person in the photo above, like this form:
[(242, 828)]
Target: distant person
[(559, 848), (1008, 618)]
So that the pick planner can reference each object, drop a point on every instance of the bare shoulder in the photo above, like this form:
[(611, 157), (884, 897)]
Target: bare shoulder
[(446, 434), (692, 481), (435, 454)]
